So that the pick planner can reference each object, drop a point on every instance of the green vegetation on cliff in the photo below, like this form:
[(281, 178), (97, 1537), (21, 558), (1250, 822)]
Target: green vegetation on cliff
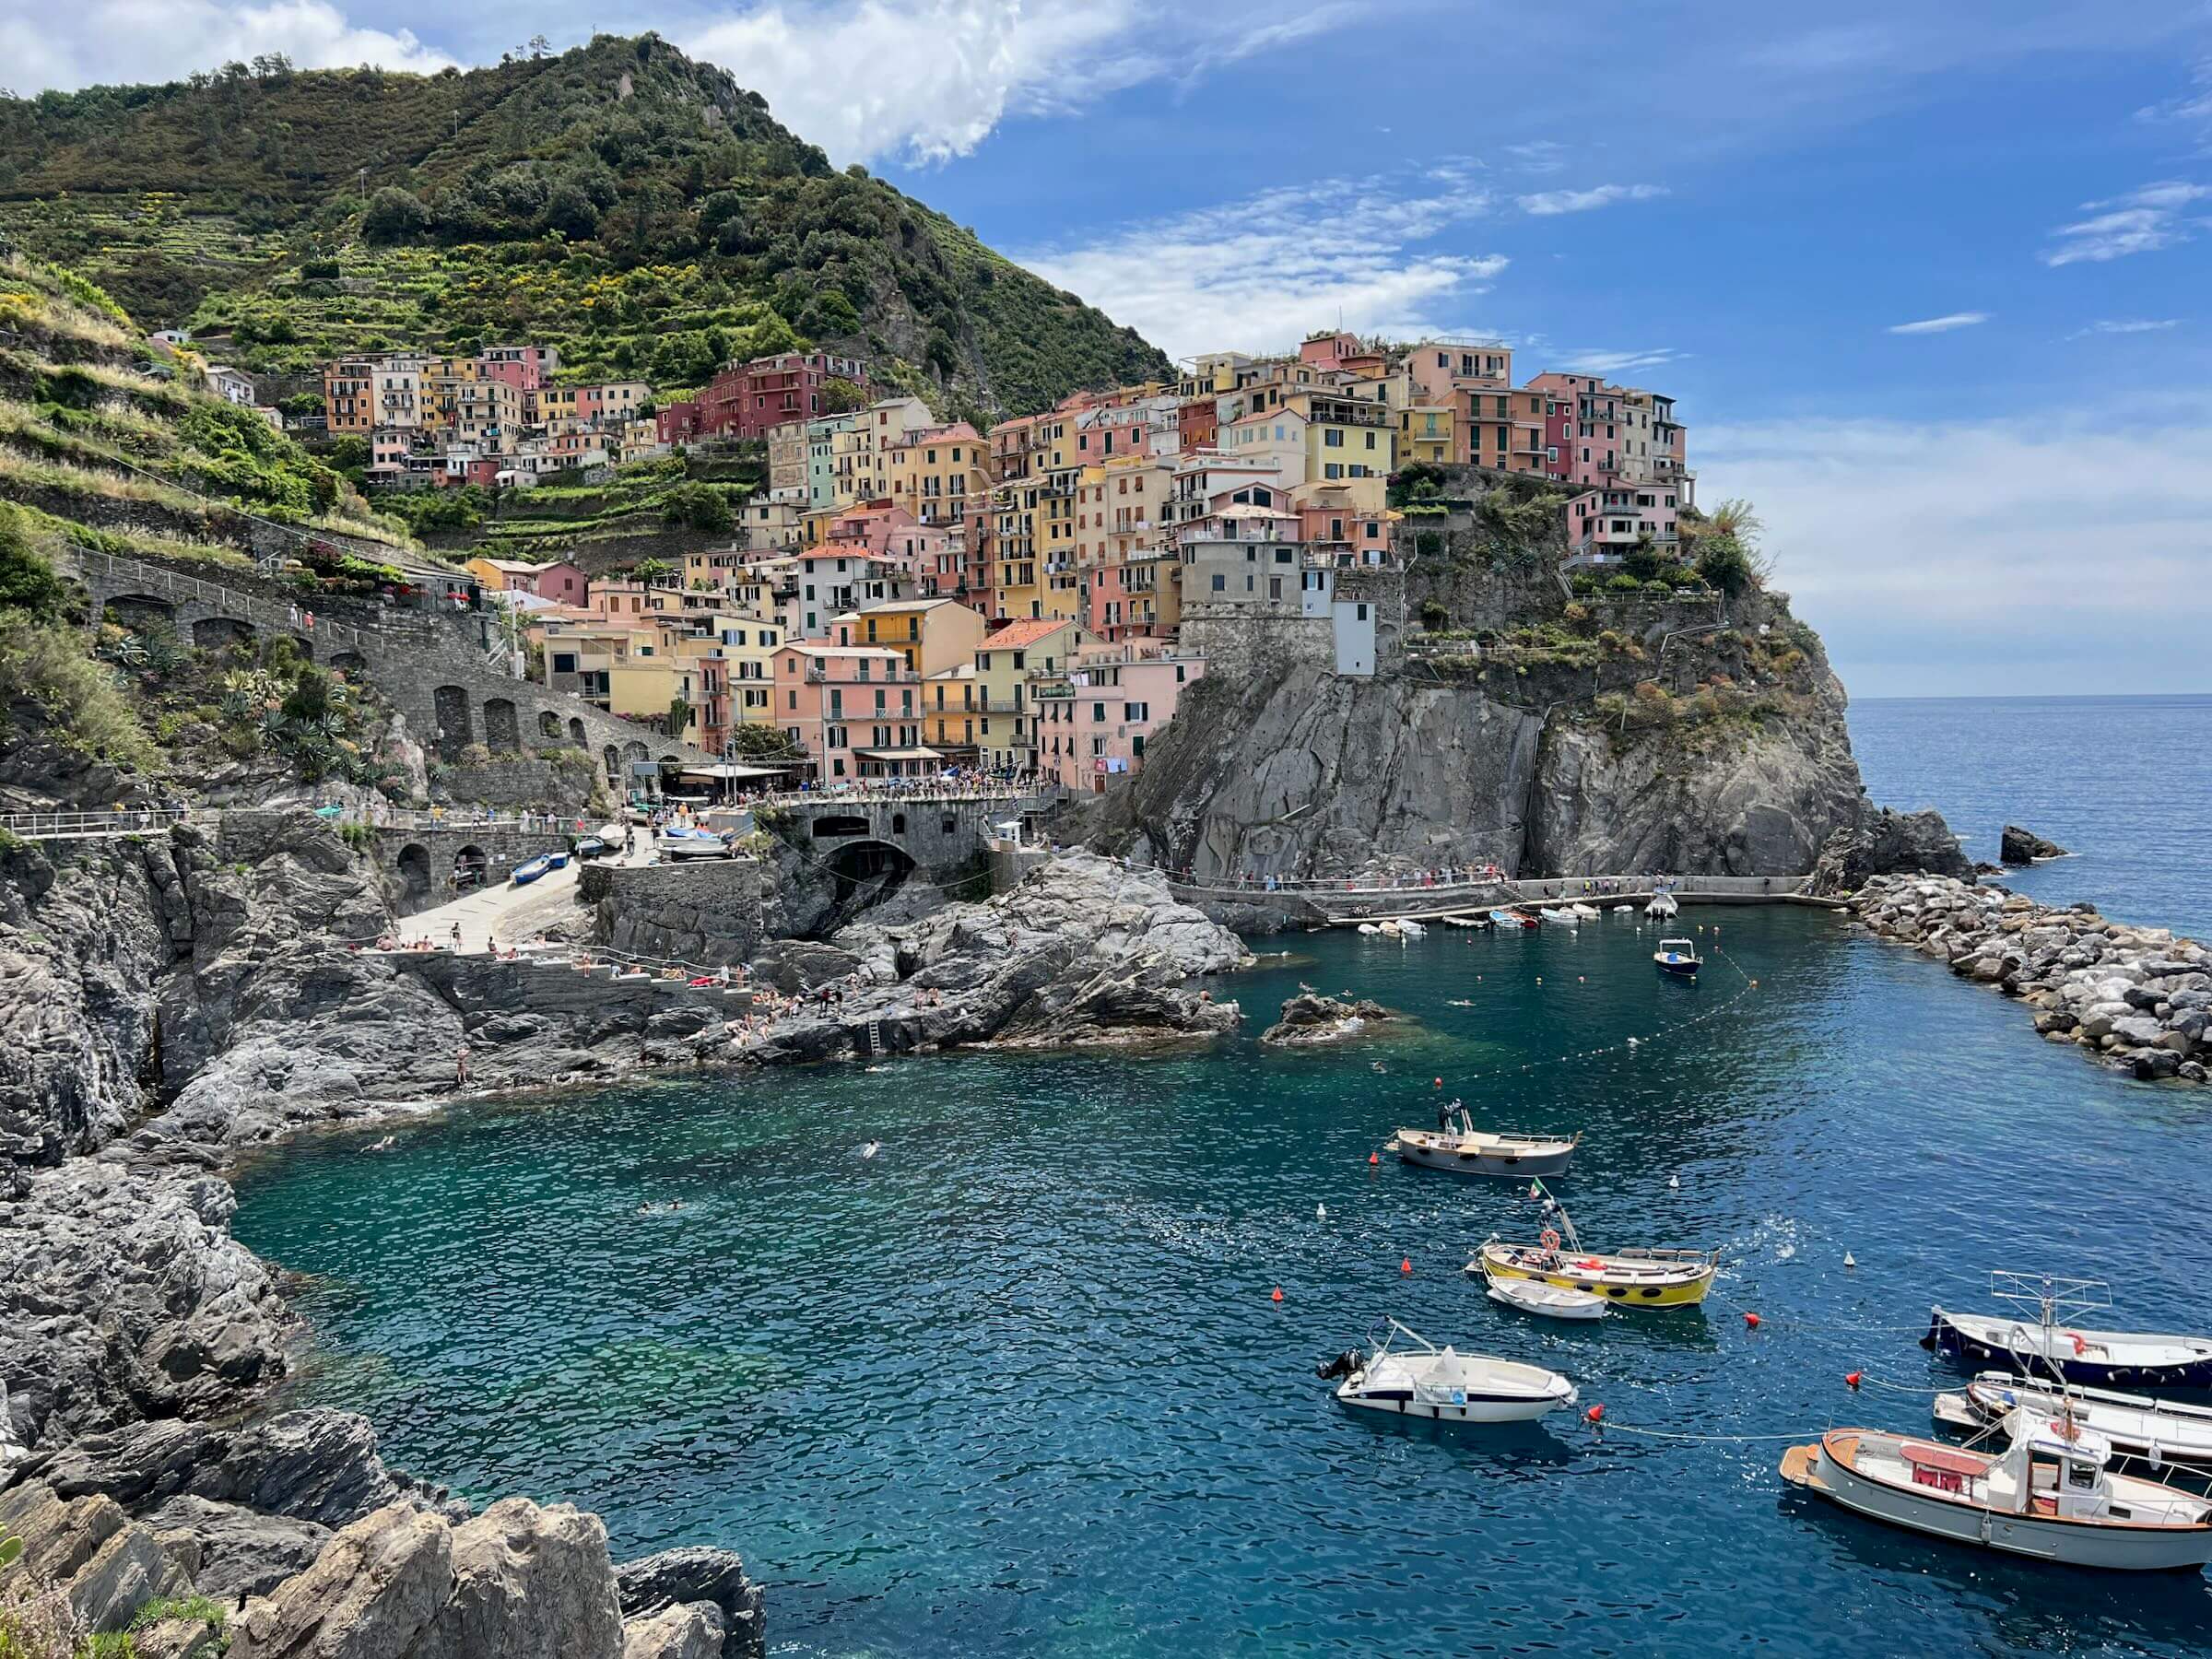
[(641, 211)]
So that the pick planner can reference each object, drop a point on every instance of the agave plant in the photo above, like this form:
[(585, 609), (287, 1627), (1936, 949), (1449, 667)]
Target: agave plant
[(129, 652)]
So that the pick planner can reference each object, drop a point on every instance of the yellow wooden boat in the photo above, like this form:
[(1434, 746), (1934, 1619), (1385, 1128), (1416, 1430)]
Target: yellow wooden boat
[(1628, 1278)]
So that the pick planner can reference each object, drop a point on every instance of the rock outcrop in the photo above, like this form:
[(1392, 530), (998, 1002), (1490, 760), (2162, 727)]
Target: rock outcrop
[(1886, 843), (1084, 952), (692, 1576), (2018, 846), (2133, 996), (1310, 1019)]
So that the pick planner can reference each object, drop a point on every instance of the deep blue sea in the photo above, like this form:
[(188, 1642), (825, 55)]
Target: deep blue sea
[(1017, 1385)]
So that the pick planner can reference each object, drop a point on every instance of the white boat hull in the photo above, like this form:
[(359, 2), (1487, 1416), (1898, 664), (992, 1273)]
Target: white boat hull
[(1527, 1296), (2128, 1550), (1474, 1411)]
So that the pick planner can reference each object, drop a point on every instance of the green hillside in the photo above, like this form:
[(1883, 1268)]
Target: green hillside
[(642, 211)]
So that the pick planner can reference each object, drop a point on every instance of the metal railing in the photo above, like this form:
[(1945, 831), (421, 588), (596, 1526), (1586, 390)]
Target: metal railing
[(91, 826)]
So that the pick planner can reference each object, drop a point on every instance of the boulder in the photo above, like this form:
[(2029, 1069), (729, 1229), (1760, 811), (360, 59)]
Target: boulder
[(1310, 1018), (697, 1573), (690, 1632), (127, 1571), (529, 1582), (372, 1594), (242, 1551), (1886, 843), (2018, 846)]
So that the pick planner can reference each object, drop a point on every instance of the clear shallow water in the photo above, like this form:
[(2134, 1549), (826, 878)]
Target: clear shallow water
[(1017, 1385), (2124, 783)]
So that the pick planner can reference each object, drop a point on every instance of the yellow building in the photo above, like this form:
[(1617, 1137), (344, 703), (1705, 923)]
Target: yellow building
[(1425, 435), (937, 475), (748, 643), (949, 713), (930, 635), (554, 402), (1350, 441)]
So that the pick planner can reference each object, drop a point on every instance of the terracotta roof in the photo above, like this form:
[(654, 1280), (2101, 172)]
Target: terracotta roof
[(1027, 631)]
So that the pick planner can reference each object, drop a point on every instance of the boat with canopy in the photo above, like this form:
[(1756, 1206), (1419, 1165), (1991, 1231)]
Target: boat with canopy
[(1408, 1375)]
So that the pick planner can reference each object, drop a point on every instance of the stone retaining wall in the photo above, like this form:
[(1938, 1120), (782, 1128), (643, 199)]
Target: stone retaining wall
[(706, 911)]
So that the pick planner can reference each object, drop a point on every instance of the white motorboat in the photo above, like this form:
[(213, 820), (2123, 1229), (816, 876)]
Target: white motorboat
[(1588, 913), (1458, 1146), (1369, 927), (1624, 910), (1551, 913), (1408, 1375), (1412, 930), (1533, 1296), (2048, 1495), (2072, 1353), (1661, 904), (2152, 1430)]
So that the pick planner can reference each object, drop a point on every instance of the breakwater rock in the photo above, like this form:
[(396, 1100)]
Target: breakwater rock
[(1082, 953), (2133, 996), (2018, 846), (1310, 1019)]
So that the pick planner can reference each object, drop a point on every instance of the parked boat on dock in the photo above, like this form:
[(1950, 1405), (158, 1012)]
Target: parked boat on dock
[(1466, 1150), (1408, 1375), (2048, 1495)]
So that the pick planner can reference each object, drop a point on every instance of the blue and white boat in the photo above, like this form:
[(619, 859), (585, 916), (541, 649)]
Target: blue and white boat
[(1408, 1375), (1679, 956), (530, 869), (2071, 1354)]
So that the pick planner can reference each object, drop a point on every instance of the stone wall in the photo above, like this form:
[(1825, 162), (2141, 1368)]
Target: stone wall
[(533, 784), (705, 911)]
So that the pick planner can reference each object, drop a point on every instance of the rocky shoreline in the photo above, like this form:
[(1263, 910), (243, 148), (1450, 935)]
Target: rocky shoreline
[(140, 1343), (2133, 998), (1310, 1020)]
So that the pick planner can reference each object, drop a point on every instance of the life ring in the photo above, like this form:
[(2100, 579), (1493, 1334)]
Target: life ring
[(1551, 1238)]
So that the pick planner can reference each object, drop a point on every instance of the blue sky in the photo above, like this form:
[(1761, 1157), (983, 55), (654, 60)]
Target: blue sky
[(1932, 284)]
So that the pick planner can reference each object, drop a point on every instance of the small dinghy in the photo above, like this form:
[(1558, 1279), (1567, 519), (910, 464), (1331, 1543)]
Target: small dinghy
[(1588, 913), (1549, 1301), (1679, 956), (1551, 913), (1408, 1375), (1624, 910), (1512, 917), (2048, 1495), (2139, 1357), (1456, 1145), (1369, 927), (2139, 1426), (1412, 930)]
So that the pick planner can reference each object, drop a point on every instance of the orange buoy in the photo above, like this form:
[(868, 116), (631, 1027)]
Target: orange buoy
[(1374, 1158), (1597, 1413), (1406, 1265), (1851, 1378), (1752, 1321), (1278, 1293)]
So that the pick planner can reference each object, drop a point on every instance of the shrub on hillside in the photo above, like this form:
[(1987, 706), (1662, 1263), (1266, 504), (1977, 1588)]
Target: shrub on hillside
[(395, 214)]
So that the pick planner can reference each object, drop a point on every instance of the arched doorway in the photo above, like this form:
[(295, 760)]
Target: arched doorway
[(577, 735), (832, 825), (548, 723), (212, 633), (451, 703), (415, 869), (614, 764), (868, 864), (349, 662), (502, 731), (142, 611), (470, 867)]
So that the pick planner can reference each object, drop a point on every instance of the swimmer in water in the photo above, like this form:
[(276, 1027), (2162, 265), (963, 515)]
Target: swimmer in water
[(871, 1149)]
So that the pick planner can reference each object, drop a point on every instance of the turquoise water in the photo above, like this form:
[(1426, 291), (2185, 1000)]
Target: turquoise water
[(1017, 1385), (2124, 783)]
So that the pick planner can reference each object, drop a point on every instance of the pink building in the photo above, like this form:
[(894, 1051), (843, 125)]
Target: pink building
[(1095, 728), (560, 582), (1441, 368), (525, 367), (855, 709)]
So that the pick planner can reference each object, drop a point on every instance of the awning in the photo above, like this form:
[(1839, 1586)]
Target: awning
[(732, 771), (899, 754)]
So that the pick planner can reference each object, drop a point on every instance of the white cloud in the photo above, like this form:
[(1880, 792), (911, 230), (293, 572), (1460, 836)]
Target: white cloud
[(2128, 326), (1538, 156), (1989, 557), (1621, 362), (1544, 203), (2142, 221), (1259, 274), (125, 41), (923, 81), (1928, 326)]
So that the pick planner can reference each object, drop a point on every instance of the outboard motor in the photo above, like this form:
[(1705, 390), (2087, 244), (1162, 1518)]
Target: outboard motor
[(1343, 1365)]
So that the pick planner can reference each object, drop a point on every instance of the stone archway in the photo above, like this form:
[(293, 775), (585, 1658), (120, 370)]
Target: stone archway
[(577, 735), (502, 731), (614, 764), (212, 633), (454, 732), (548, 724), (349, 662), (471, 865), (415, 869), (141, 611), (832, 826), (858, 864)]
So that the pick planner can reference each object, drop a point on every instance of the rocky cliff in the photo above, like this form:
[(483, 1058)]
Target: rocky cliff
[(1690, 740)]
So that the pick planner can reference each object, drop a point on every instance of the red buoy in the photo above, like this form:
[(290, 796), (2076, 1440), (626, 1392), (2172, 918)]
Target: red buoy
[(1406, 1265), (1597, 1413), (1439, 1082), (1374, 1158), (1751, 1320), (1278, 1293), (1851, 1378)]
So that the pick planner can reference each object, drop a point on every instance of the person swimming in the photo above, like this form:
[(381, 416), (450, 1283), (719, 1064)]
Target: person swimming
[(871, 1149)]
